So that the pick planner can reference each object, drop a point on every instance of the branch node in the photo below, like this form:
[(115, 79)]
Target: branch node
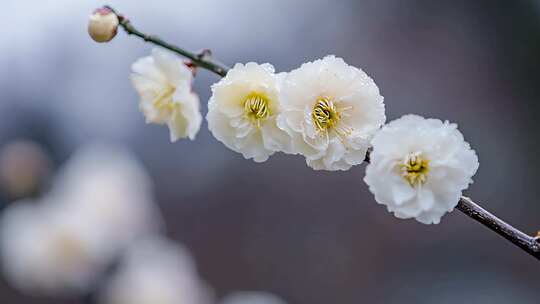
[(204, 54)]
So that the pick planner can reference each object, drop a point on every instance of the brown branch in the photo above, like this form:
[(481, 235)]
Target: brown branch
[(201, 60), (529, 244)]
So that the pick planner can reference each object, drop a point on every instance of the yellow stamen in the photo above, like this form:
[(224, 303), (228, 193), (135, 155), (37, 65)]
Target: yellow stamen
[(164, 101), (415, 169), (327, 116), (256, 108)]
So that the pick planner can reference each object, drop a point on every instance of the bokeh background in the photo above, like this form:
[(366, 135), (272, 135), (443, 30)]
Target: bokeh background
[(307, 236)]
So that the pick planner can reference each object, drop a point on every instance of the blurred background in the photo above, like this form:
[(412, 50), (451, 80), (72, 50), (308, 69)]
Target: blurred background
[(271, 226)]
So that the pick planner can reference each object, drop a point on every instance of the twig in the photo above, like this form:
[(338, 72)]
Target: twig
[(203, 59), (524, 241)]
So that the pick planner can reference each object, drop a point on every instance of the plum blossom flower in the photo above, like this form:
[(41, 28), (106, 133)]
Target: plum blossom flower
[(47, 251), (99, 204), (107, 187), (331, 110), (243, 109), (419, 168), (157, 271), (163, 82)]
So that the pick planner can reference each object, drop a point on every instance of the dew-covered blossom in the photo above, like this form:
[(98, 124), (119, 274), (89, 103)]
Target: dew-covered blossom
[(243, 109), (156, 271), (47, 251), (331, 110), (251, 297), (419, 168), (163, 82)]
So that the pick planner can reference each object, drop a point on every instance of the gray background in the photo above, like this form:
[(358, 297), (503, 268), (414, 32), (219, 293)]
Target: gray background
[(310, 237)]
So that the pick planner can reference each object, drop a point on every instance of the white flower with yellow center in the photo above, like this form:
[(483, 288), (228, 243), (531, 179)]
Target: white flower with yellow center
[(419, 167), (331, 110), (164, 83), (243, 109)]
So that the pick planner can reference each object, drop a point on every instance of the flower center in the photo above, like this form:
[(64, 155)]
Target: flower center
[(415, 169), (163, 101), (327, 117), (325, 114), (256, 108)]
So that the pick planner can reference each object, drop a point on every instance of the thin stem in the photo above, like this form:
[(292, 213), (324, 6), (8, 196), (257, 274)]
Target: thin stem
[(202, 60), (524, 241)]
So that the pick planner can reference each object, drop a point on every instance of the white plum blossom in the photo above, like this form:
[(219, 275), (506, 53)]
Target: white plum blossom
[(107, 187), (243, 109), (331, 110), (100, 203), (419, 167), (47, 251), (163, 82), (251, 297), (156, 271)]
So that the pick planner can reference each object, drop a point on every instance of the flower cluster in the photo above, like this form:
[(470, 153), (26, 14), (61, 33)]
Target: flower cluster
[(327, 111), (63, 242), (99, 233)]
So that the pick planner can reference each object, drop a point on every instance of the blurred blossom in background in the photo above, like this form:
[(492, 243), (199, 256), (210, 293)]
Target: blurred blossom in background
[(110, 189), (96, 234), (157, 271), (45, 251), (274, 226), (61, 243)]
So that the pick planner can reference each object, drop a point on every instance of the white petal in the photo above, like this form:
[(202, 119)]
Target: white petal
[(402, 192), (172, 67)]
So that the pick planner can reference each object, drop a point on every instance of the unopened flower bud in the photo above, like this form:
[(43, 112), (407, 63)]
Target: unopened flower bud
[(103, 25)]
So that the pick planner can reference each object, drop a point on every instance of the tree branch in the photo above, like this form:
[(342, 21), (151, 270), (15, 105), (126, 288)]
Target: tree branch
[(201, 60), (524, 241)]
